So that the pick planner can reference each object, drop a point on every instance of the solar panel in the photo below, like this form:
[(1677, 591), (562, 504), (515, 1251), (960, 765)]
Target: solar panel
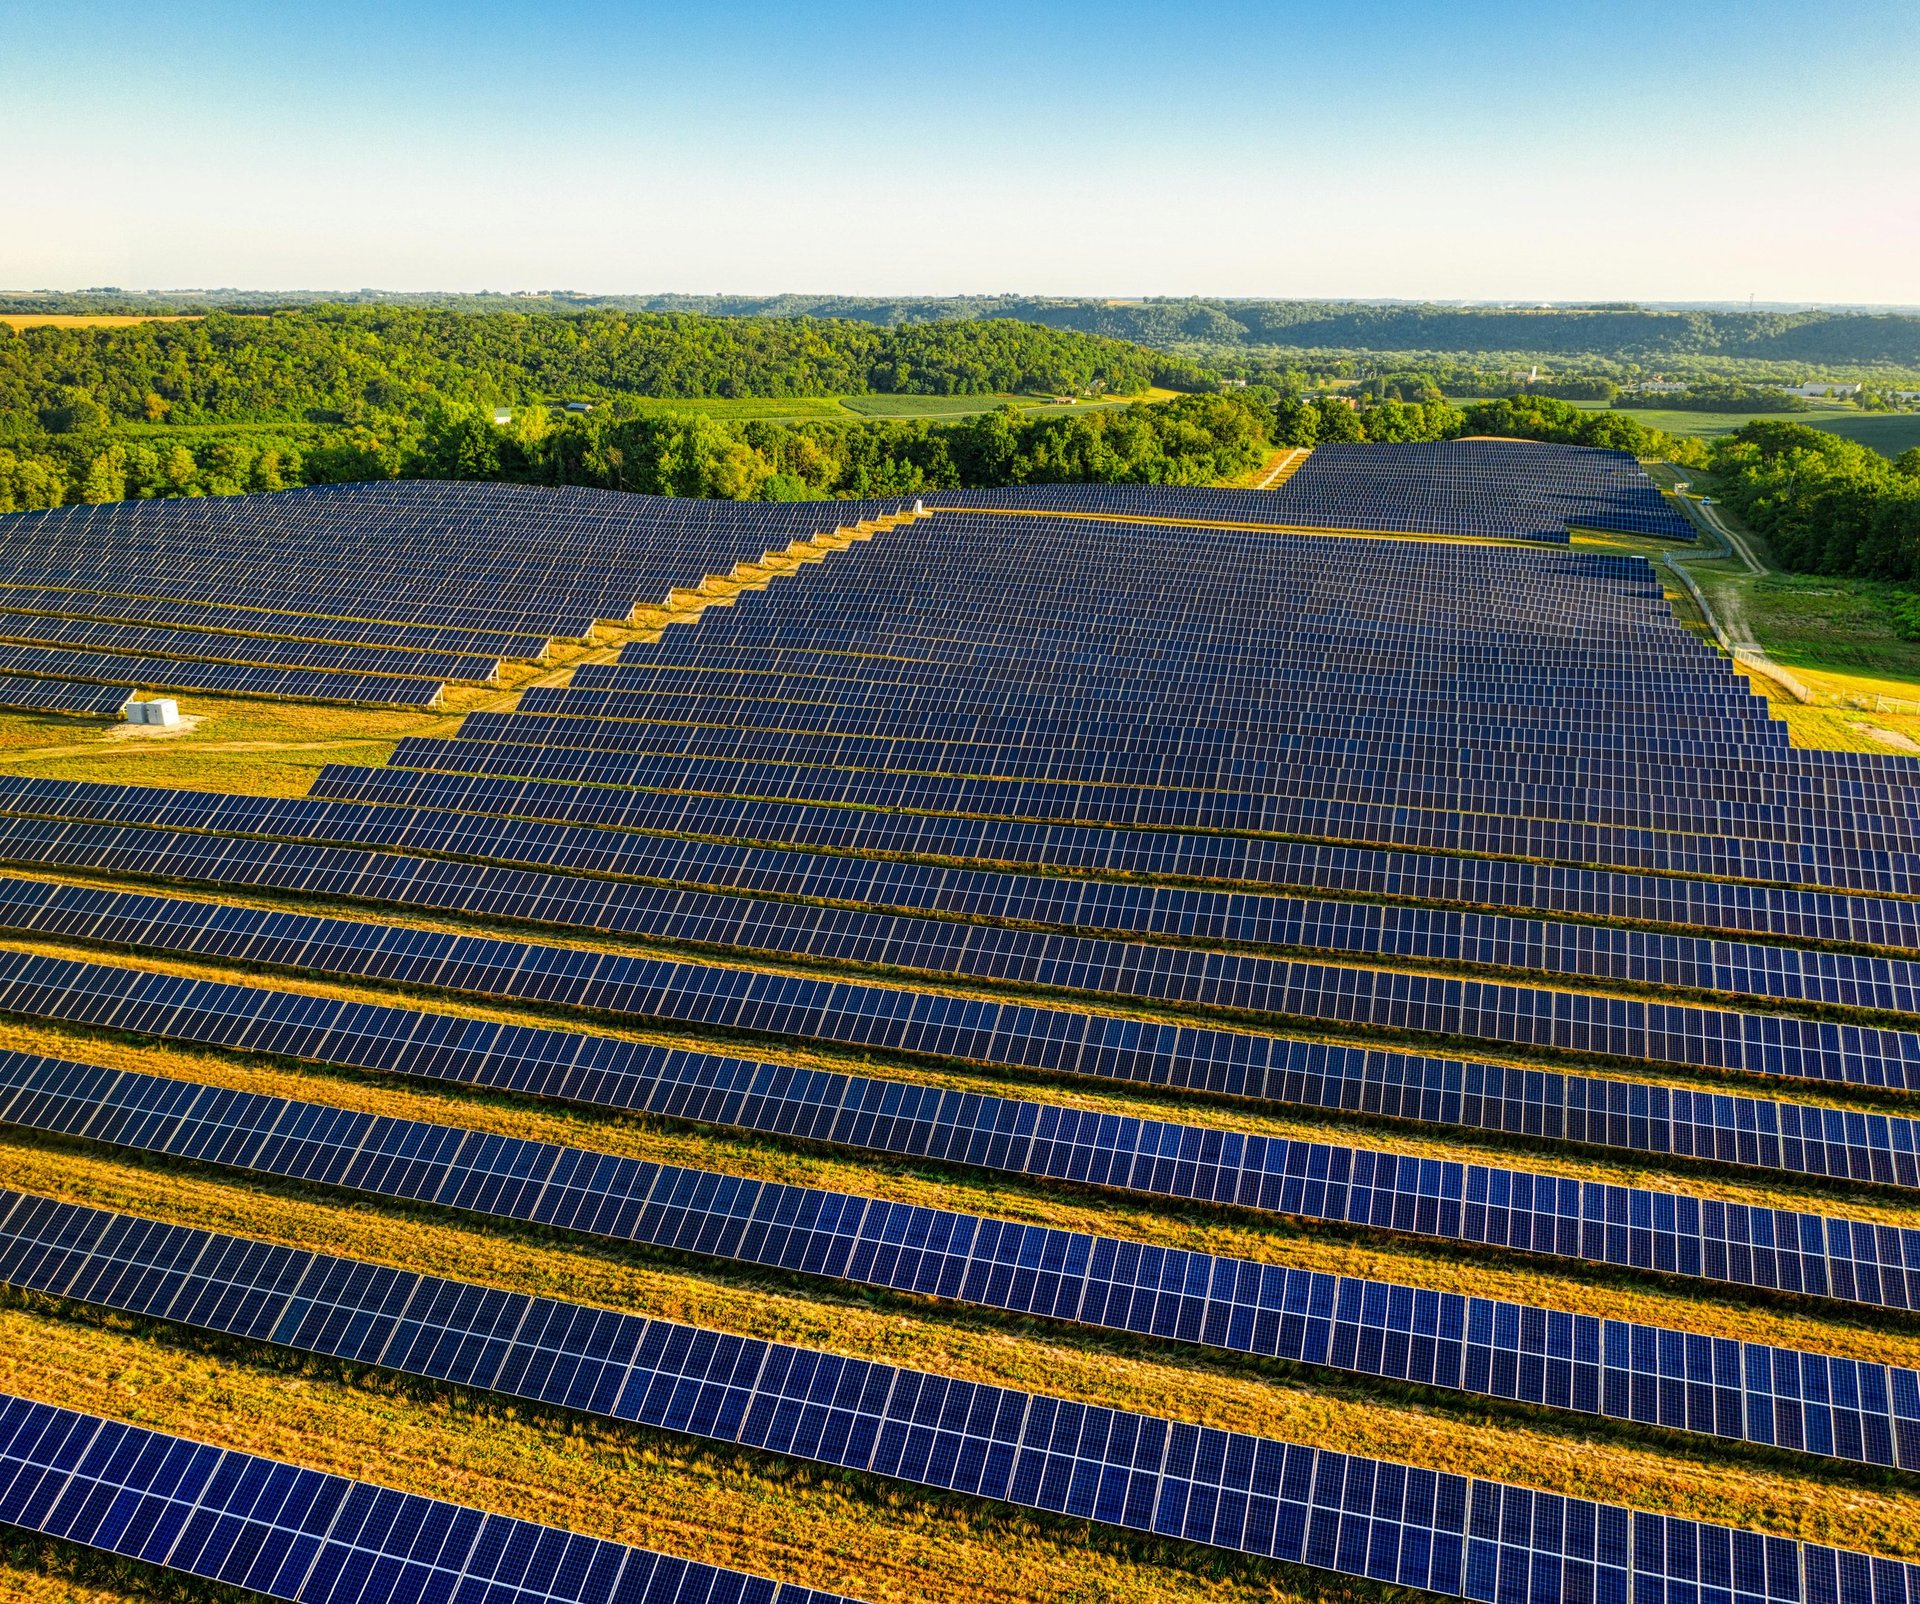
[(1519, 1210), (1875, 1146), (302, 1535), (1345, 1513), (1063, 899), (1012, 1034), (61, 696), (1682, 1380)]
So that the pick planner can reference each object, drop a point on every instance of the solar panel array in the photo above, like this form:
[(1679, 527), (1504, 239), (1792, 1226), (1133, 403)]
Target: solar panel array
[(1683, 1380), (1532, 1025), (288, 1533), (374, 595), (61, 696), (1491, 489)]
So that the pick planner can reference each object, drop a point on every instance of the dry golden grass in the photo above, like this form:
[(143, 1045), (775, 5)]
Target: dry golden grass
[(40, 1573)]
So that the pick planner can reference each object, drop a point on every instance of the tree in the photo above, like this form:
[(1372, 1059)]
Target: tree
[(460, 442), (106, 477), (1335, 421)]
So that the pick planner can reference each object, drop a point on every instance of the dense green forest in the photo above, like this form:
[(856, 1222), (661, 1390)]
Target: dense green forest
[(344, 364), (1318, 335), (231, 403), (1826, 505), (1195, 439), (1191, 440)]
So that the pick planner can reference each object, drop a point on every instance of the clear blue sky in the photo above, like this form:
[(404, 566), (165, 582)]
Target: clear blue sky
[(1457, 148)]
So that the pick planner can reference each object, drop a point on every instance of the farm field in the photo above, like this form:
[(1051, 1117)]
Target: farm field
[(1115, 912), (1889, 433)]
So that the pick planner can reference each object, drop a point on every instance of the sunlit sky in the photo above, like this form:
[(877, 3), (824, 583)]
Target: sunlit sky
[(1483, 149)]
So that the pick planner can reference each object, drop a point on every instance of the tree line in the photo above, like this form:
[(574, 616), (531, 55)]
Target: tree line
[(1609, 331), (350, 364), (1708, 395), (1196, 439), (1824, 504)]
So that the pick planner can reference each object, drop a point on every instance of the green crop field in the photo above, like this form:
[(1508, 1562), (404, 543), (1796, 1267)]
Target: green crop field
[(1888, 432)]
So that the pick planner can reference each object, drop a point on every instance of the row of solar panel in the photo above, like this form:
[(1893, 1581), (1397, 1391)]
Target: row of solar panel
[(506, 821), (1364, 1517), (1236, 1064), (1031, 686), (1386, 743), (1389, 741), (1055, 899), (858, 812), (905, 587), (528, 562), (250, 621), (1802, 1139), (762, 646), (1363, 663), (1407, 505), (1685, 1381), (1453, 490), (1523, 778), (918, 634), (427, 523), (1001, 1034), (61, 696), (1428, 588), (1514, 787), (989, 711), (905, 582), (1159, 972), (448, 569), (287, 1533), (1278, 804), (1223, 577), (206, 647), (154, 673), (1024, 679), (1631, 1228), (1360, 659), (1557, 850), (280, 594)]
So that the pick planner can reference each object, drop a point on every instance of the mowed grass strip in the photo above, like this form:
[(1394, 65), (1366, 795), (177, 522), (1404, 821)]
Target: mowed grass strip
[(1759, 1189), (1825, 1502)]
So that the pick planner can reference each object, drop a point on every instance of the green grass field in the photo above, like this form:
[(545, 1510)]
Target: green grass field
[(1887, 432), (926, 406)]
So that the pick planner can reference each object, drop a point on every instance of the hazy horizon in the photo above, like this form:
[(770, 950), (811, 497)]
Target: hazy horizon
[(1111, 298)]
